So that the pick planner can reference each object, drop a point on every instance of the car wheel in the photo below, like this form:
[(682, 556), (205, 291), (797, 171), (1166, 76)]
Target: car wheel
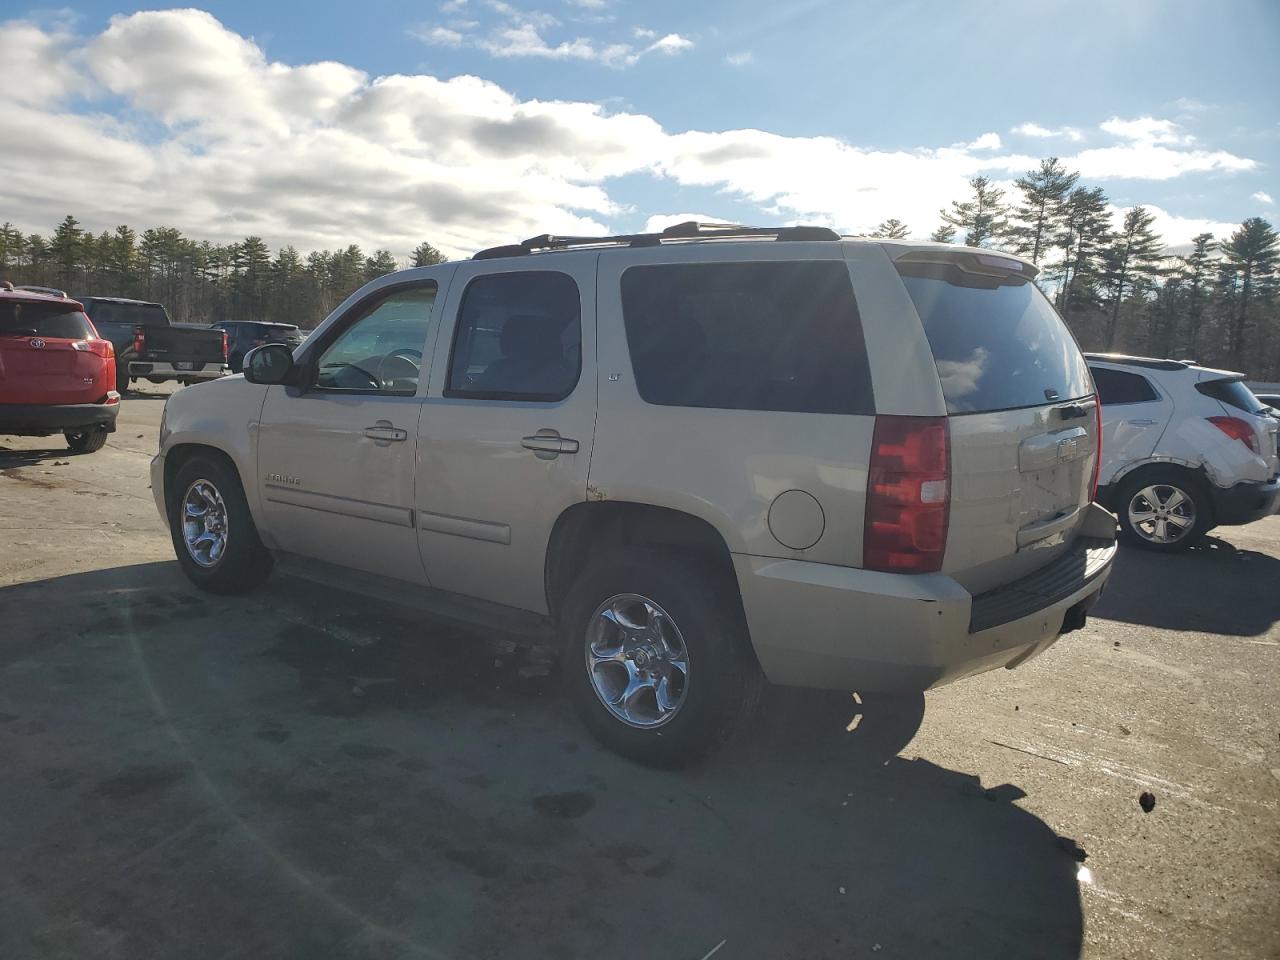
[(86, 441), (122, 380), (236, 363), (656, 657), (1165, 511), (212, 530), (155, 380)]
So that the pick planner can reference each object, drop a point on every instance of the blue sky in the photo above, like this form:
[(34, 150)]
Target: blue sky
[(863, 109)]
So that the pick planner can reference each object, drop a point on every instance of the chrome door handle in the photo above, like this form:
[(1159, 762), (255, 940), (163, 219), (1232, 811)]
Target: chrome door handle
[(548, 444), (384, 432), (1141, 423)]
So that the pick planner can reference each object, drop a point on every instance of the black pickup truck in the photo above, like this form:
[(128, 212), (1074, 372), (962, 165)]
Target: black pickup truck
[(149, 345)]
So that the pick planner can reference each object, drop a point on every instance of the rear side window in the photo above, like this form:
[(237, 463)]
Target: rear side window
[(781, 336), (519, 337), (998, 344), (1115, 386), (1233, 393), (52, 320)]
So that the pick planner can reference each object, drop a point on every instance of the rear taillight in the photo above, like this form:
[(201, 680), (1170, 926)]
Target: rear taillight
[(224, 346), (99, 348), (908, 495), (1237, 429), (139, 339), (1097, 447)]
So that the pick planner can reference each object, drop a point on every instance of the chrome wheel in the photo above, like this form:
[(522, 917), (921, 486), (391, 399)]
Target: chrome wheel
[(637, 661), (1161, 513), (204, 523)]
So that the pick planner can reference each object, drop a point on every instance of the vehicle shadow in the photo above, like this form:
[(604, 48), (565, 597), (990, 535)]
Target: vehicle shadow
[(363, 783), (11, 459), (1167, 590)]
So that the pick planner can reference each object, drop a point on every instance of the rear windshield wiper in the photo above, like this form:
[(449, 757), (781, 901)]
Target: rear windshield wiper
[(23, 332)]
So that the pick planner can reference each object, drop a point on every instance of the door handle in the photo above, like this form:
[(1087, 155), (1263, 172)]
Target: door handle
[(548, 444), (1141, 423), (384, 432)]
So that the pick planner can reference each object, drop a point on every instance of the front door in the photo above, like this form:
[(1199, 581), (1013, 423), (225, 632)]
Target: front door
[(505, 437), (336, 456)]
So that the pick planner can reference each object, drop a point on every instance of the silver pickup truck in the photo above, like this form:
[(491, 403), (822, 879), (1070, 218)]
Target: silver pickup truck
[(706, 458)]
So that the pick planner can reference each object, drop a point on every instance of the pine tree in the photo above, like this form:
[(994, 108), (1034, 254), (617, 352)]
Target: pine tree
[(1132, 261), (891, 229), (982, 218), (1088, 231), (944, 234), (12, 247), (1195, 278), (66, 248), (1252, 253), (425, 255), (1042, 210), (379, 265)]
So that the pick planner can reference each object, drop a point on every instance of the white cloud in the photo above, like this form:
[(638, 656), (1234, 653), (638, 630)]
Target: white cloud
[(590, 4), (739, 59), (440, 36), (1262, 197), (1030, 129), (1176, 231), (644, 33), (1146, 130), (215, 137), (660, 221), (672, 43), (453, 6)]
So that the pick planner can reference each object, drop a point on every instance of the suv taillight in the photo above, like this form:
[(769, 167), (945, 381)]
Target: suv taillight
[(139, 339), (224, 346), (99, 348), (1237, 429), (908, 495), (1097, 448)]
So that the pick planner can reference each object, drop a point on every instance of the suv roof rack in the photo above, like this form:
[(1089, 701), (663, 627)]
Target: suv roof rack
[(51, 291), (1151, 363), (689, 230)]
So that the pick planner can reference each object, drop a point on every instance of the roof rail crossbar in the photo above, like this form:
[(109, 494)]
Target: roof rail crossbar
[(689, 230)]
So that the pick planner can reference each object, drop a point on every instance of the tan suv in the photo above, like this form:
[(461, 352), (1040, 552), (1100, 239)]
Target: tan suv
[(705, 457)]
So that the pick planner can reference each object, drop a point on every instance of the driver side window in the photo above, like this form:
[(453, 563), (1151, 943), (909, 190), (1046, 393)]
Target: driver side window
[(381, 351)]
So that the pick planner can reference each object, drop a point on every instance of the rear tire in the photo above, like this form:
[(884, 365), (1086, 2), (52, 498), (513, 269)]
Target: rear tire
[(122, 380), (236, 363), (1163, 510), (86, 441), (213, 533), (155, 380), (661, 608)]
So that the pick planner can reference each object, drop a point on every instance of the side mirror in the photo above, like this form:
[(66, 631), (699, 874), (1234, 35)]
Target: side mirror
[(270, 363)]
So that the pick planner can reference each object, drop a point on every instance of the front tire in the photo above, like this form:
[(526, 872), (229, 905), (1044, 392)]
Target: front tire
[(86, 441), (656, 657), (213, 532), (1164, 510)]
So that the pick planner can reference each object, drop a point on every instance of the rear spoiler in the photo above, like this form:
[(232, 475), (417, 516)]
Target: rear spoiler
[(966, 268)]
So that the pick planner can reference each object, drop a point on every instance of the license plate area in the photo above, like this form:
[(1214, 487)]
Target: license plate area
[(183, 365)]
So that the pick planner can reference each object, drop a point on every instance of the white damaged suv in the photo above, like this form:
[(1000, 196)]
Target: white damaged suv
[(704, 457), (1185, 449)]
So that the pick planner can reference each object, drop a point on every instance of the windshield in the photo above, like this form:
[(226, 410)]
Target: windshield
[(54, 320), (998, 346)]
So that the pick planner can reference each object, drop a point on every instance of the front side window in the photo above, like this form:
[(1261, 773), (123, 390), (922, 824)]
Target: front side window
[(381, 351), (1115, 387), (519, 337)]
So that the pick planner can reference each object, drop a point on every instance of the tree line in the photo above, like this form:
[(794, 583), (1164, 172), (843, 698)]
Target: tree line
[(198, 281), (1118, 288)]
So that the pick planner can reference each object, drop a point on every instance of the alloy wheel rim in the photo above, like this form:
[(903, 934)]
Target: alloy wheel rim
[(1162, 513), (637, 661), (204, 523)]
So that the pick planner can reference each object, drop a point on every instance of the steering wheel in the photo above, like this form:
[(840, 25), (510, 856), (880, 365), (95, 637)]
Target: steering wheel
[(409, 361)]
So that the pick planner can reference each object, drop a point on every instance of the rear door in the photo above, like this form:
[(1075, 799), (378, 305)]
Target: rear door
[(43, 354), (1021, 407), (1135, 413)]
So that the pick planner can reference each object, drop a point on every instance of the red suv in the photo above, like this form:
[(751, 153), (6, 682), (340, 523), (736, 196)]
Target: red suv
[(56, 374)]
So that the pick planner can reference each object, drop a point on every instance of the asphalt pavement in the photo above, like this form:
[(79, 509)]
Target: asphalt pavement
[(299, 773)]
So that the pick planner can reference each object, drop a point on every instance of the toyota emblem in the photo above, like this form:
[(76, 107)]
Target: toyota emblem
[(37, 343)]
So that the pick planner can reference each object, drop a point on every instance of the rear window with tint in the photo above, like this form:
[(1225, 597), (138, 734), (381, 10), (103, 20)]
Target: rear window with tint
[(781, 336), (137, 314), (1115, 386), (51, 320), (998, 346), (1233, 393)]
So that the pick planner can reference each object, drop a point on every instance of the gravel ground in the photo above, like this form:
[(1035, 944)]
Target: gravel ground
[(304, 774)]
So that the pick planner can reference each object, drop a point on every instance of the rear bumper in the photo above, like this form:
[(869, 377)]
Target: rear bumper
[(40, 420), (167, 371), (818, 625), (1246, 502)]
